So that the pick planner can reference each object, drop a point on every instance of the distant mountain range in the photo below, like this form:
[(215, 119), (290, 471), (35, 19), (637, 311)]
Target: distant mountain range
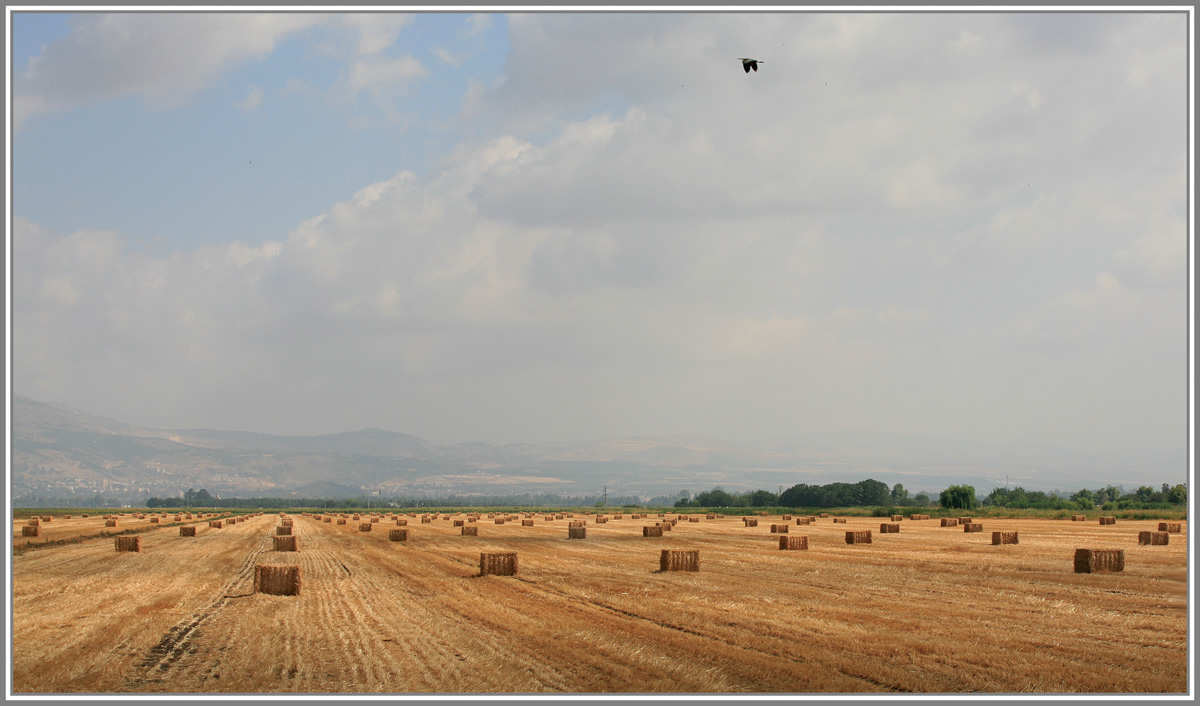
[(64, 452)]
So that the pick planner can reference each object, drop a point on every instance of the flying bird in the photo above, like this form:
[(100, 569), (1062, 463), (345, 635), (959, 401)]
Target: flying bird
[(748, 64)]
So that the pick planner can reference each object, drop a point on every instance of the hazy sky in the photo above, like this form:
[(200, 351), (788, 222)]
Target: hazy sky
[(552, 227)]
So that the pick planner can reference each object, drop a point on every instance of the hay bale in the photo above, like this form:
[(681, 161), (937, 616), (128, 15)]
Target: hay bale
[(918, 517), (710, 516), (655, 531), (527, 523), (679, 560), (949, 522), (779, 529), (397, 535), (283, 531), (1108, 520), (355, 518), (839, 520), (110, 523), (327, 519), (469, 530), (889, 528), (576, 533), (286, 543), (459, 523), (426, 521), (498, 563), (666, 526), (1005, 537), (803, 521), (341, 520), (693, 519), (1154, 538), (186, 517), (965, 520), (129, 544), (189, 531), (401, 523), (28, 531), (1078, 518), (750, 521), (858, 536), (33, 522), (1091, 561), (277, 580), (1172, 527), (499, 520), (364, 526), (823, 515), (576, 523), (973, 527), (218, 524), (793, 542), (897, 518)]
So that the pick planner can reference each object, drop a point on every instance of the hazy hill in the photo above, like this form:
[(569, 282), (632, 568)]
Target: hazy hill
[(60, 451)]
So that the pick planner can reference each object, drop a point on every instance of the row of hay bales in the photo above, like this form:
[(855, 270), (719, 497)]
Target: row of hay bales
[(32, 527), (134, 543)]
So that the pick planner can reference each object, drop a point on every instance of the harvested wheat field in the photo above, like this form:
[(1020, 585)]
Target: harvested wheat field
[(930, 609)]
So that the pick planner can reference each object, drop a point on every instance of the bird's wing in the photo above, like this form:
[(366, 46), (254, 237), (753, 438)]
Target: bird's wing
[(746, 65)]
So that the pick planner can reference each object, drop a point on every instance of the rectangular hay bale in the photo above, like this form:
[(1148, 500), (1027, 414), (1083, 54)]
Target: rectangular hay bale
[(679, 560), (30, 531), (1108, 520), (889, 528), (1172, 527), (1091, 561), (1005, 537), (793, 542), (128, 544), (839, 520), (110, 523), (949, 522), (779, 529), (470, 531), (1154, 538), (286, 543), (397, 535), (858, 536), (364, 526), (973, 527), (576, 533), (498, 563), (281, 531), (649, 531), (189, 531), (277, 580)]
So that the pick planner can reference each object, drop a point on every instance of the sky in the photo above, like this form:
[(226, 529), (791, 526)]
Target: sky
[(546, 228)]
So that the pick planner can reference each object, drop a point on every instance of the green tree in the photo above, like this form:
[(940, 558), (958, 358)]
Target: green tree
[(1145, 494), (959, 496), (899, 494), (761, 498), (921, 499), (1178, 495)]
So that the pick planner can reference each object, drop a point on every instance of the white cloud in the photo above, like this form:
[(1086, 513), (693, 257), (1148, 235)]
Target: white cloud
[(252, 100), (165, 58), (478, 24), (897, 222)]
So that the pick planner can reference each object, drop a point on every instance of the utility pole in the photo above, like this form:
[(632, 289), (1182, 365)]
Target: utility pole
[(606, 497)]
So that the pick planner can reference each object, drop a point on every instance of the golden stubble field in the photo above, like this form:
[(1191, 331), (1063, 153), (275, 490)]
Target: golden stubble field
[(929, 609)]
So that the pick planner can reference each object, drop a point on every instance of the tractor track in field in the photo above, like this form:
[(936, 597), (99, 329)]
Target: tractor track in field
[(706, 636), (180, 639)]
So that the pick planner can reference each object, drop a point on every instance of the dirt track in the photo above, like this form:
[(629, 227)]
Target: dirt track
[(929, 610)]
